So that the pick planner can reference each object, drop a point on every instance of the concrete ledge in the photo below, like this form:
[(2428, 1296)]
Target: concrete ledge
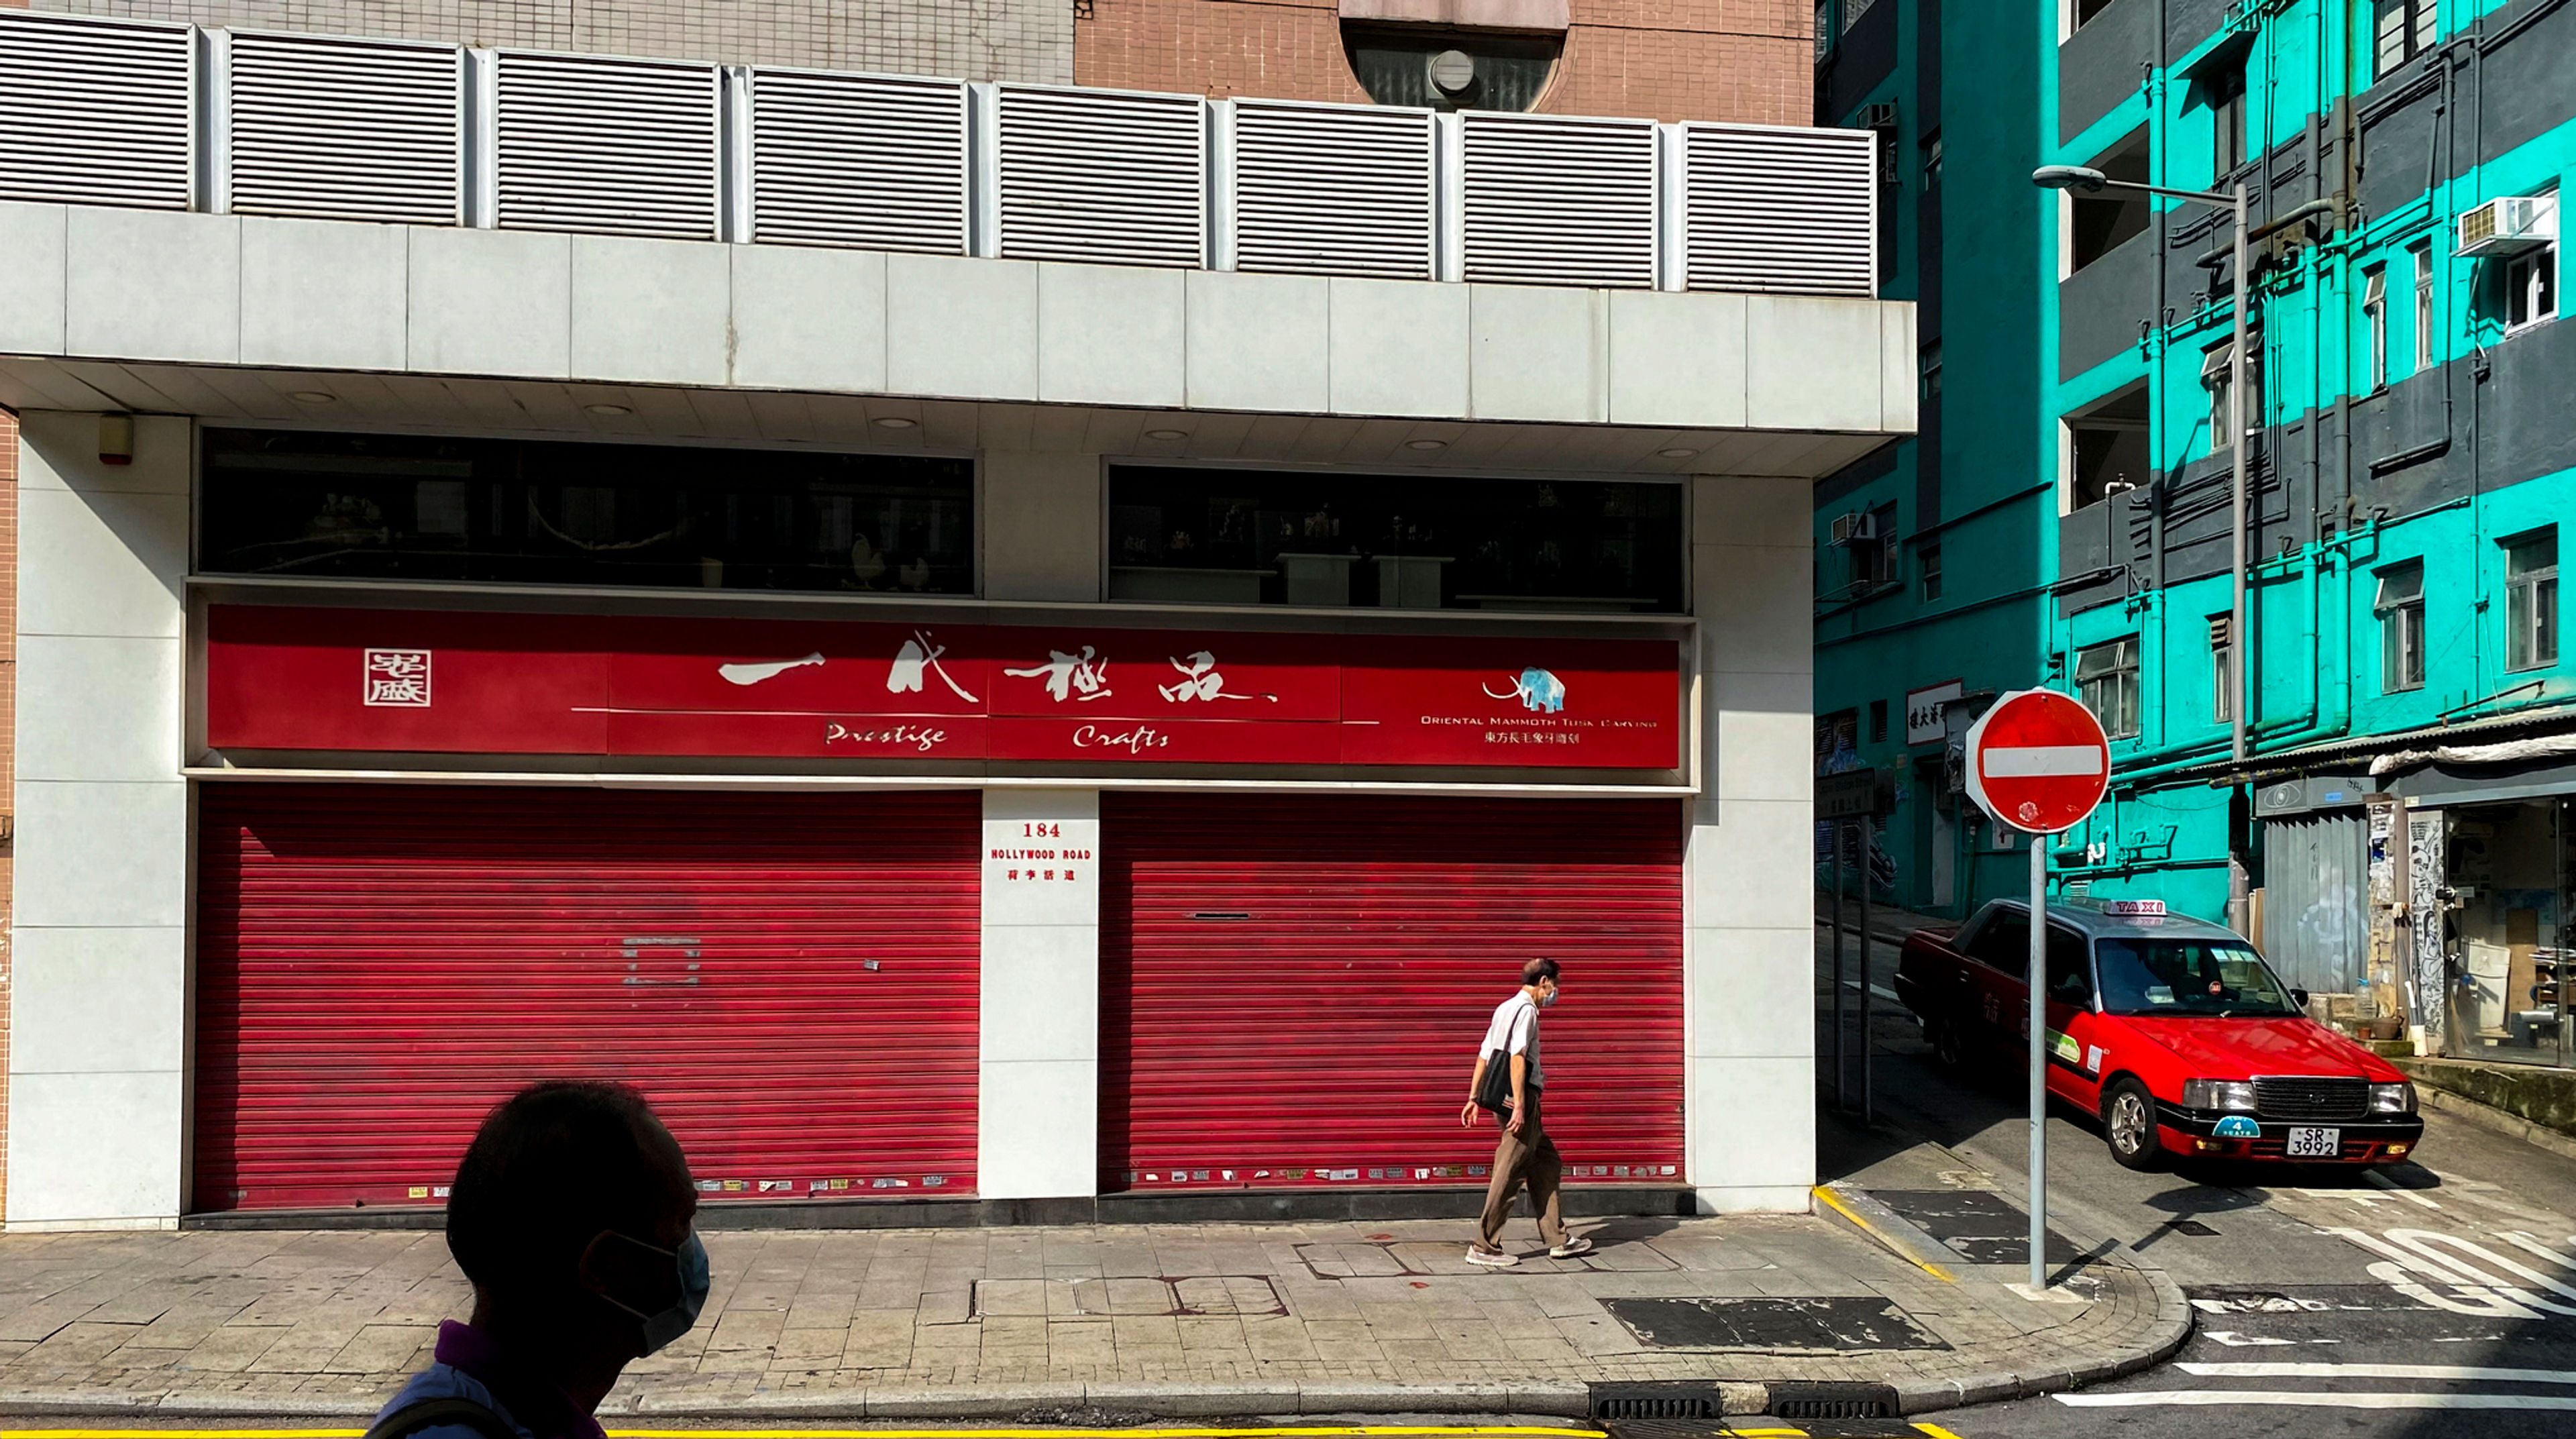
[(2545, 1098), (523, 305)]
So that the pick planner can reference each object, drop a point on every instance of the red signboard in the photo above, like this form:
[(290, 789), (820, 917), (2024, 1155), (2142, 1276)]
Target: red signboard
[(2038, 761), (448, 682)]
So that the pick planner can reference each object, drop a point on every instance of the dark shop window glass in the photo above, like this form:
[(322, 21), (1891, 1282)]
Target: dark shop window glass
[(394, 507), (1393, 541)]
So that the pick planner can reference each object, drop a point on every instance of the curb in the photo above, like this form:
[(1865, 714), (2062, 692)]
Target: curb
[(2501, 1121)]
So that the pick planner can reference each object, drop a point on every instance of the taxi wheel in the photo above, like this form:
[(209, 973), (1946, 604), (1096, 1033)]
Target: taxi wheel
[(2129, 1124), (1949, 1046)]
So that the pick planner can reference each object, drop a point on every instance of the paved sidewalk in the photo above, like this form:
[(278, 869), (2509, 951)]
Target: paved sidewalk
[(1207, 1320)]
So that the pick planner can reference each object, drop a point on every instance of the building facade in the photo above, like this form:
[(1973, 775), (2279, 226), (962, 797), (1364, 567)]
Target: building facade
[(930, 679), (2398, 830), (1929, 585)]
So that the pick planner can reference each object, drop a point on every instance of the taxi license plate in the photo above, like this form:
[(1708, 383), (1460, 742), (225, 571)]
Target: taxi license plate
[(2311, 1143)]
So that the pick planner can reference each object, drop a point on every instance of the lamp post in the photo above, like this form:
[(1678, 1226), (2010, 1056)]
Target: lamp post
[(2078, 177)]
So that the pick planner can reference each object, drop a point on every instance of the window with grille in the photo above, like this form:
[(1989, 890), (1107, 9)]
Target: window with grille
[(2531, 601), (1929, 561), (2374, 316), (2423, 253), (2227, 121), (2404, 30), (2222, 668), (2215, 377), (2400, 607), (2106, 679)]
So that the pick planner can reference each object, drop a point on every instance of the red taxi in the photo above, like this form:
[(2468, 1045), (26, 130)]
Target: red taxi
[(2173, 1030)]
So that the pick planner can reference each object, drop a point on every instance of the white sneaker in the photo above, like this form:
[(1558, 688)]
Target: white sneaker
[(1491, 1258), (1570, 1248)]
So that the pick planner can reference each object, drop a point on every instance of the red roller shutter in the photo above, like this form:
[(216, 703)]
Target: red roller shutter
[(791, 979), (1294, 989)]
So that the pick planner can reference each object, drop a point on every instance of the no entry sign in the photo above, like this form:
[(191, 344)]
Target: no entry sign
[(2038, 761)]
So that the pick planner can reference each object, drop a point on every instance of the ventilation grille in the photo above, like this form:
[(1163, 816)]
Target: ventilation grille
[(876, 161), (1103, 176), (346, 129), (1558, 200), (1789, 211), (96, 111), (607, 146), (1332, 190)]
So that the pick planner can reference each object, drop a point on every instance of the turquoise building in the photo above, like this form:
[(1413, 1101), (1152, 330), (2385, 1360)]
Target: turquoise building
[(2403, 827)]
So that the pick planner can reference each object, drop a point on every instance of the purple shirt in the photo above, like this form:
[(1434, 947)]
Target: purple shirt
[(469, 1366)]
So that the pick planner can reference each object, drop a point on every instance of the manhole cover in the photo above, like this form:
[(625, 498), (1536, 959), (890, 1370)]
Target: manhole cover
[(1839, 1324), (1981, 1225), (1227, 1294), (1351, 1261)]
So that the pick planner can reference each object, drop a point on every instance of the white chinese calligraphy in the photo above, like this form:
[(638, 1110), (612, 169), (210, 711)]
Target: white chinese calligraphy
[(397, 678), (1200, 681), (752, 674), (1078, 677), (919, 654)]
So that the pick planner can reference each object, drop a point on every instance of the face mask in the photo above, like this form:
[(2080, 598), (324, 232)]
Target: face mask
[(666, 1325), (1548, 1000)]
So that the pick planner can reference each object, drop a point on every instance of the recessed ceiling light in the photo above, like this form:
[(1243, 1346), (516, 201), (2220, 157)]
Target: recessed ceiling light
[(1426, 444), (1167, 434), (895, 422), (313, 397), (1677, 454), (606, 410)]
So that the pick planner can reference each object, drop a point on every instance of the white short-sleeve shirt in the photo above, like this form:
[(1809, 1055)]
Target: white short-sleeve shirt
[(1514, 1030)]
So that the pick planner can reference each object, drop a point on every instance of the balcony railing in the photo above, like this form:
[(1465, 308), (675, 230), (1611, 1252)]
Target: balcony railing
[(169, 116)]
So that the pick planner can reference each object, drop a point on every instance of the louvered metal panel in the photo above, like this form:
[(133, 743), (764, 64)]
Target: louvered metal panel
[(876, 161), (2316, 878), (1788, 211), (1106, 176), (342, 129), (95, 112), (1559, 200), (607, 146), (1333, 189), (793, 980), (1293, 989)]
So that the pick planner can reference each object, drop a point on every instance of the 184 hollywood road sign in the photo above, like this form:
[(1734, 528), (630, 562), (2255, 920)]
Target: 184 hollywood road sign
[(2038, 761)]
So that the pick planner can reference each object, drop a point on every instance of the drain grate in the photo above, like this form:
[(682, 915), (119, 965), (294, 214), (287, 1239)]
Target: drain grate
[(1669, 1400), (1819, 1399)]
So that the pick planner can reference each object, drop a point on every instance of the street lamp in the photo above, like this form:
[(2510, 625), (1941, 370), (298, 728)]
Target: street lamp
[(2091, 181)]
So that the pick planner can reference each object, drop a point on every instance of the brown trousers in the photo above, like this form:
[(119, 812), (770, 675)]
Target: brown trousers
[(1530, 1158)]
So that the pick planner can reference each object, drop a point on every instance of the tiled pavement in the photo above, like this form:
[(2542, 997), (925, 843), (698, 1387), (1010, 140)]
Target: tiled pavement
[(1177, 1319)]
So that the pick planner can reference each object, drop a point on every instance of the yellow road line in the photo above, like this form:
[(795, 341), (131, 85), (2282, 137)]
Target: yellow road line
[(1345, 1432), (1935, 1430), (1901, 1251)]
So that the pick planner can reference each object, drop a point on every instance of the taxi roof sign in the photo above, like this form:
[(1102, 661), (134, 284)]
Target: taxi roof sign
[(2133, 906)]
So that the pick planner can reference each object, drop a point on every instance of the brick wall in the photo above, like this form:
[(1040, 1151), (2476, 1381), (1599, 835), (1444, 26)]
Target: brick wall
[(986, 40), (1279, 49), (1748, 60)]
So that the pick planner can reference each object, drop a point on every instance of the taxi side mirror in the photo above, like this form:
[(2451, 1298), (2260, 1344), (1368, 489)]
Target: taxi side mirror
[(2299, 997)]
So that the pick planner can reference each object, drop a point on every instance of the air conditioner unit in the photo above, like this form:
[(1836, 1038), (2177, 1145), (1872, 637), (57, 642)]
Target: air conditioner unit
[(2509, 225), (1858, 527)]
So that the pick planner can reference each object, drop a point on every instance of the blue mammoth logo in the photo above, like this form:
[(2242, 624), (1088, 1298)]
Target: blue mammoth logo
[(1536, 690)]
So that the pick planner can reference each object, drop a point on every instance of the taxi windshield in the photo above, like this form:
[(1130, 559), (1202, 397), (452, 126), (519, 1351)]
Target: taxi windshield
[(2186, 976)]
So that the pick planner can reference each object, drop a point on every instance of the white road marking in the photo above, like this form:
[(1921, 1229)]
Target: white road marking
[(2293, 1398), (2234, 1340), (2455, 1372), (2374, 1177)]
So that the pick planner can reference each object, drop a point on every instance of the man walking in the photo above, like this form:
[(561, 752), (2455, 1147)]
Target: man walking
[(1524, 1155)]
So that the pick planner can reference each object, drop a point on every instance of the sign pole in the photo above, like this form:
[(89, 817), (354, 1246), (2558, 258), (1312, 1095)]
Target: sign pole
[(2038, 761), (1862, 831), (2038, 1063), (1839, 1105)]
